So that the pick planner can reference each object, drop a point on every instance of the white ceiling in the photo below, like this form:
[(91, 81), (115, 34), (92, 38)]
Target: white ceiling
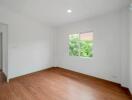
[(54, 11)]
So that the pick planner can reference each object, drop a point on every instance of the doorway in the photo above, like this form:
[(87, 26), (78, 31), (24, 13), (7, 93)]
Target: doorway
[(3, 51), (1, 60)]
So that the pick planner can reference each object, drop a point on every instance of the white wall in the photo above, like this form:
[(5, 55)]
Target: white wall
[(124, 25), (29, 44), (0, 49), (110, 59), (130, 70)]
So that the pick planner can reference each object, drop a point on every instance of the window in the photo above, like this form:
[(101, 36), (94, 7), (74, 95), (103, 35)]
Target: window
[(81, 44)]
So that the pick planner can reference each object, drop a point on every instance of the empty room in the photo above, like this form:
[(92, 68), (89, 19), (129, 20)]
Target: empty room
[(65, 49)]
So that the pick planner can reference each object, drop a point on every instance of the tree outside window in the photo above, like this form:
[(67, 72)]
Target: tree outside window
[(81, 44)]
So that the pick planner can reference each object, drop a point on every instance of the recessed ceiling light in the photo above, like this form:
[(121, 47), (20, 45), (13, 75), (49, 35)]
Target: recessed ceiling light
[(69, 11)]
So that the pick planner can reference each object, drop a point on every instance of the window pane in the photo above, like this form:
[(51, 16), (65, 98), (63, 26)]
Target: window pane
[(86, 44), (74, 45)]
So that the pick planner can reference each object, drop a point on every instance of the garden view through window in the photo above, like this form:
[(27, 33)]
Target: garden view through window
[(81, 44)]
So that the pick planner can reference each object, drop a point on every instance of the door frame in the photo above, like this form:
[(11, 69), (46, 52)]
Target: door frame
[(5, 68)]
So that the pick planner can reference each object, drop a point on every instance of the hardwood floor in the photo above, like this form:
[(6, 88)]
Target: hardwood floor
[(61, 84)]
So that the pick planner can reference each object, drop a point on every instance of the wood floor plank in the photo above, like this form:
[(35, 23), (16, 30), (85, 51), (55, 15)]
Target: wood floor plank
[(61, 84)]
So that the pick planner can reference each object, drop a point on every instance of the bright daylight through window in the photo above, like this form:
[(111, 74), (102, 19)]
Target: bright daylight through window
[(81, 44)]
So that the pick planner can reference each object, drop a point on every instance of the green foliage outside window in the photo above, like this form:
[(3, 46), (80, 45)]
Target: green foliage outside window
[(86, 48), (73, 45), (79, 47)]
